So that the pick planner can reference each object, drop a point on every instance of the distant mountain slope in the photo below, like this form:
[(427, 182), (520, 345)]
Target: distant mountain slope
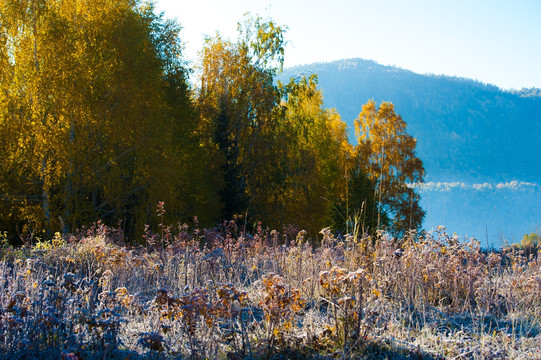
[(481, 145), (466, 130)]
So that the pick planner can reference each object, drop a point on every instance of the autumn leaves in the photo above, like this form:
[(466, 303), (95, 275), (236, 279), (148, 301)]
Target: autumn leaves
[(99, 121)]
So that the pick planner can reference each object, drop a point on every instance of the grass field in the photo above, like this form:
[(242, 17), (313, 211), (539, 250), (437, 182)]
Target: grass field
[(224, 294)]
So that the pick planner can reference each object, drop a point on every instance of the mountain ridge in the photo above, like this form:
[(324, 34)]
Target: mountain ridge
[(480, 144), (450, 116), (523, 92)]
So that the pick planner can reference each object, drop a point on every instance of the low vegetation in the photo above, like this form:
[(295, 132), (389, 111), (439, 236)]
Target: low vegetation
[(224, 293)]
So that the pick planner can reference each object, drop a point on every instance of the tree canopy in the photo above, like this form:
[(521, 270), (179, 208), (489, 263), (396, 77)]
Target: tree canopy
[(386, 153), (98, 121)]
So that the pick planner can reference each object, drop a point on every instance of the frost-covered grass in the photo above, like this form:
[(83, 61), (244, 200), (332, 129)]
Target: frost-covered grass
[(222, 293)]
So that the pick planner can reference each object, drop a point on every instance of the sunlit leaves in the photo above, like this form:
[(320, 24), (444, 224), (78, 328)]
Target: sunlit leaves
[(98, 120), (236, 99), (96, 115), (315, 154), (387, 155)]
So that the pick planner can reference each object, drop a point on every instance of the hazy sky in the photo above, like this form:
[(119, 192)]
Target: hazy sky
[(493, 41)]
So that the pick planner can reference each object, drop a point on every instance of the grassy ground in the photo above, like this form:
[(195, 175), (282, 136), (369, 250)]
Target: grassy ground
[(224, 294)]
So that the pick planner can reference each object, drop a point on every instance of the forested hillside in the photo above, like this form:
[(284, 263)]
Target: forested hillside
[(466, 130), (479, 144)]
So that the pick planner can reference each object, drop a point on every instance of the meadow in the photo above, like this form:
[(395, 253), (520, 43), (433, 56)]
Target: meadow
[(223, 293), (101, 115)]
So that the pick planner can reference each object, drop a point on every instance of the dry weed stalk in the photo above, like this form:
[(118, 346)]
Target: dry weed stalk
[(225, 293)]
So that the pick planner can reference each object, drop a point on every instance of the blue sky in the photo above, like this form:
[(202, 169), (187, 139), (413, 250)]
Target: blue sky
[(497, 42)]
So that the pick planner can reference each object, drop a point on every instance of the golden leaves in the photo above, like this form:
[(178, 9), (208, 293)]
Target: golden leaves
[(386, 153), (279, 304)]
